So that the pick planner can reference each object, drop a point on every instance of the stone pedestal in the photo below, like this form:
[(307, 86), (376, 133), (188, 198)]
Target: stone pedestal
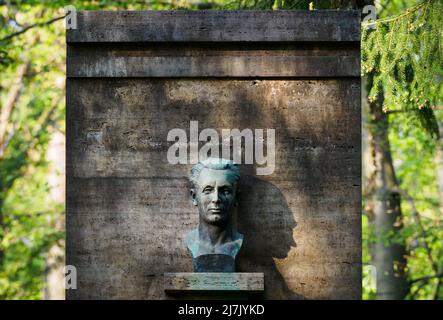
[(216, 285)]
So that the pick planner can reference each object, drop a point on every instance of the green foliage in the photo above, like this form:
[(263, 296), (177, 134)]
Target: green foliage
[(404, 56), (28, 217), (368, 238), (30, 231), (293, 4), (413, 151)]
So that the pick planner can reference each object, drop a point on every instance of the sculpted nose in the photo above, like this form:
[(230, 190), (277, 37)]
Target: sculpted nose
[(215, 198)]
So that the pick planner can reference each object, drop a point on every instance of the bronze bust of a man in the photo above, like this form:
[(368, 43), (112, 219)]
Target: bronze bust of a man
[(214, 190)]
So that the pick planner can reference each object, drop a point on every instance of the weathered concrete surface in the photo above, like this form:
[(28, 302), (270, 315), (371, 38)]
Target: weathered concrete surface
[(276, 60), (128, 209), (215, 26)]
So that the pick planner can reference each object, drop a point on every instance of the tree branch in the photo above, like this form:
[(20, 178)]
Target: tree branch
[(416, 291), (438, 275), (400, 16), (395, 111), (422, 229), (5, 143), (38, 24), (426, 278)]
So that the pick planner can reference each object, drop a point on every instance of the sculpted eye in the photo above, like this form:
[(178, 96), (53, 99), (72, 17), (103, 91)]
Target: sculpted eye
[(207, 190)]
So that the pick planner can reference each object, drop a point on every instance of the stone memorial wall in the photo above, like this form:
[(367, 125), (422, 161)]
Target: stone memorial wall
[(132, 77)]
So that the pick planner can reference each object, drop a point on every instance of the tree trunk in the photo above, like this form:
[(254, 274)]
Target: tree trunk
[(385, 208), (55, 258), (8, 107)]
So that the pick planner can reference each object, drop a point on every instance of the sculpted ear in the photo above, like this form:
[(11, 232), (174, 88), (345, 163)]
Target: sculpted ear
[(193, 196)]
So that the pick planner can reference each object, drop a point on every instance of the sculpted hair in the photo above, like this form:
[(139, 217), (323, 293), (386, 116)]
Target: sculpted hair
[(214, 164)]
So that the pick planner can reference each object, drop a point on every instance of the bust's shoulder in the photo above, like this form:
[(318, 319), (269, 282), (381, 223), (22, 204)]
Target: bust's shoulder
[(237, 236), (192, 241), (192, 235)]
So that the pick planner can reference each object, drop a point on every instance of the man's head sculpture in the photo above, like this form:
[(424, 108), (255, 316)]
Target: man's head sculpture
[(214, 190)]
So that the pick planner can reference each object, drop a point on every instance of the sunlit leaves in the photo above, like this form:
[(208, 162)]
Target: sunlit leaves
[(404, 55)]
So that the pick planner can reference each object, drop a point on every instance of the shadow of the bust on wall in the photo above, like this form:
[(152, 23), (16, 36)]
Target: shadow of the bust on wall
[(268, 235)]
